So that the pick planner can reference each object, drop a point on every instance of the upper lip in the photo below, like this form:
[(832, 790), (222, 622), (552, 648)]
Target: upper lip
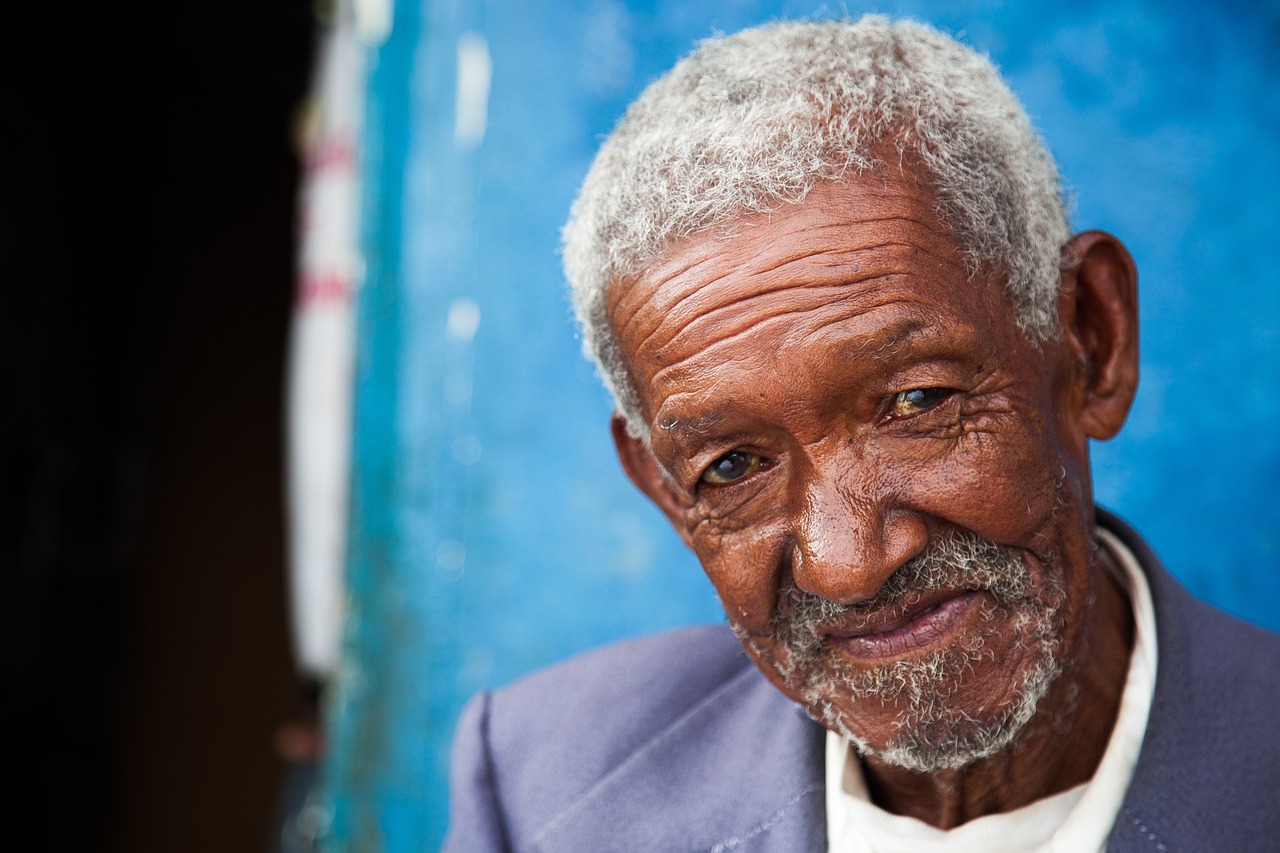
[(889, 617)]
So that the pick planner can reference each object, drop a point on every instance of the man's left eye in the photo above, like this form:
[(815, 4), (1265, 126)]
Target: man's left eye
[(917, 400)]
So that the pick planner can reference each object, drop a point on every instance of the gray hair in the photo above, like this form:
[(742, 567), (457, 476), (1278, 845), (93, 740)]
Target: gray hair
[(753, 121)]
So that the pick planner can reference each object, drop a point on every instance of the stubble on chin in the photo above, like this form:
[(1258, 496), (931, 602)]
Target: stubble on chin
[(931, 732)]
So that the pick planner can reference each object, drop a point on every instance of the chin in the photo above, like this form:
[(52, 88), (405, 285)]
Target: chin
[(931, 733)]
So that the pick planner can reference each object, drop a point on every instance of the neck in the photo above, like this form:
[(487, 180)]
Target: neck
[(1058, 749)]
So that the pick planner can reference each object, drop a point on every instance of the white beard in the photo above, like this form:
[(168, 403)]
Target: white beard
[(931, 734)]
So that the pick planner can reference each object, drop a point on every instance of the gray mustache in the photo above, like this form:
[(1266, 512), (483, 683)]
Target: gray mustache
[(955, 560)]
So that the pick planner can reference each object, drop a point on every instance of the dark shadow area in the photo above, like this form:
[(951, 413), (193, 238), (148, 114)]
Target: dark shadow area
[(144, 320)]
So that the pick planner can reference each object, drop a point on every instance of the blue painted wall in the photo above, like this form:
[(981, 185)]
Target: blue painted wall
[(492, 530)]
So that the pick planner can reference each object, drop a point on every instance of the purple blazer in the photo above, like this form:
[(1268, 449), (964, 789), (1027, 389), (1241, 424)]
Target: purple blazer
[(677, 743)]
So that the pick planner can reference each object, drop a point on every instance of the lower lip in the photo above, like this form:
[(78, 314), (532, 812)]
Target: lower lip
[(925, 631)]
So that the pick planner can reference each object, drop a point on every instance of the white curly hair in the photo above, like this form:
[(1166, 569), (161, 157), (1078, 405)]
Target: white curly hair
[(753, 121)]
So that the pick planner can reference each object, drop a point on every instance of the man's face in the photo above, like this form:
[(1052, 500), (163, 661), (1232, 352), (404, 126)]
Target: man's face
[(884, 479)]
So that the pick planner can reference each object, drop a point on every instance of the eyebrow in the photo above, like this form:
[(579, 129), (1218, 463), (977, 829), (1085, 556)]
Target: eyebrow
[(896, 339), (694, 425)]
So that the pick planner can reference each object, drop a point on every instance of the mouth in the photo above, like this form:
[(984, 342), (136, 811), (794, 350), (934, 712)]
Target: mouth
[(929, 624)]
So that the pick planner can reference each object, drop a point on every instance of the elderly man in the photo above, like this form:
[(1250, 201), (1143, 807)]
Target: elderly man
[(858, 359)]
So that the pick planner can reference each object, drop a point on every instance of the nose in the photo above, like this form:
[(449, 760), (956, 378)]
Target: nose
[(850, 535)]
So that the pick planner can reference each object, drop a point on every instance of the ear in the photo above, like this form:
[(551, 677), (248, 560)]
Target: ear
[(643, 470), (1098, 307)]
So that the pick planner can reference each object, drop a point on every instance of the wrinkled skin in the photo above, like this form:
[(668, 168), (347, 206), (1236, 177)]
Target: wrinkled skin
[(829, 392)]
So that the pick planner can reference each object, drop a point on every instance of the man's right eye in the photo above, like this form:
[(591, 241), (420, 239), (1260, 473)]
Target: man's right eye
[(734, 465)]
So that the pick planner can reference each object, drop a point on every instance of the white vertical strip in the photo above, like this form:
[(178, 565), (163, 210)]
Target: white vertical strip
[(322, 349)]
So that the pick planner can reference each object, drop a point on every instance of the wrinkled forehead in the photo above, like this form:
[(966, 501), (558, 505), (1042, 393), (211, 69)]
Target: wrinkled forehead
[(860, 227), (892, 171), (852, 258)]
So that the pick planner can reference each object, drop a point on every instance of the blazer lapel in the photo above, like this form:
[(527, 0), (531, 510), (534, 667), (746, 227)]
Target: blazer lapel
[(742, 770)]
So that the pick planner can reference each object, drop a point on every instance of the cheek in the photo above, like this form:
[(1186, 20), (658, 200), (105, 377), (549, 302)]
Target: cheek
[(1005, 483), (746, 568)]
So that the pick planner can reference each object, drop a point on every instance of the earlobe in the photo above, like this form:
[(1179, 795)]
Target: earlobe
[(1098, 307), (643, 470)]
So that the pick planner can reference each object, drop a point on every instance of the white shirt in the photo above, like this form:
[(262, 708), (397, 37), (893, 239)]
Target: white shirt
[(1075, 821)]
